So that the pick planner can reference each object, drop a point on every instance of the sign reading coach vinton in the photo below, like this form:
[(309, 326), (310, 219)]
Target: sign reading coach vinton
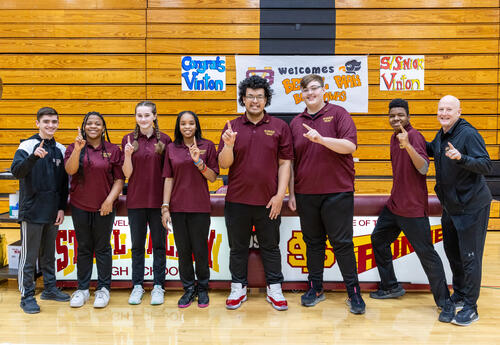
[(346, 79)]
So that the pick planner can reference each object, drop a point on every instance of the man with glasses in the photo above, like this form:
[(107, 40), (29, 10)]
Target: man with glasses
[(322, 189), (257, 149)]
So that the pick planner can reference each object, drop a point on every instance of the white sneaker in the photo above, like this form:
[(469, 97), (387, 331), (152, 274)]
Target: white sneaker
[(237, 296), (136, 295), (157, 295), (101, 298), (276, 298), (78, 298)]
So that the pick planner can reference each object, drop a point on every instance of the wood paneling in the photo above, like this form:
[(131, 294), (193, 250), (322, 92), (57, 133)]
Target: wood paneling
[(73, 31), (383, 4), (74, 16), (72, 4), (203, 31), (203, 46), (9, 45), (88, 92), (208, 16), (73, 61), (69, 76), (204, 3)]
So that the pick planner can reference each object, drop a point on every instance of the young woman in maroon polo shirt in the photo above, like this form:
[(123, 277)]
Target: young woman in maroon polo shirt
[(94, 165), (189, 162), (144, 152)]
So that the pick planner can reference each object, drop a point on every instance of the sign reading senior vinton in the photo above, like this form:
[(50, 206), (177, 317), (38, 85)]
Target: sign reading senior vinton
[(346, 79), (402, 72)]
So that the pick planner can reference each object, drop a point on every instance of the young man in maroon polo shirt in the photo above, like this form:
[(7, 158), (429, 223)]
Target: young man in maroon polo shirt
[(407, 211), (322, 189), (257, 149)]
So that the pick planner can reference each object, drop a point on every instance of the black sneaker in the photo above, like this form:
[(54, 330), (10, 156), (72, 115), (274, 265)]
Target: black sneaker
[(466, 316), (447, 312), (29, 305), (311, 298), (356, 303), (458, 301), (203, 299), (54, 294), (188, 297), (391, 293)]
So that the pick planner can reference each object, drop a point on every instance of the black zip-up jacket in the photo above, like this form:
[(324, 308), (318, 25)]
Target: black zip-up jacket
[(43, 182), (460, 184)]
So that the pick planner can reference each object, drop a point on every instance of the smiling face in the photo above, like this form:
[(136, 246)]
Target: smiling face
[(187, 126), (48, 125), (255, 101), (313, 95), (144, 117), (94, 127), (398, 117), (448, 112)]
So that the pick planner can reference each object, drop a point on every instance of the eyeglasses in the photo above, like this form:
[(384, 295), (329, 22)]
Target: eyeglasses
[(253, 98), (311, 89)]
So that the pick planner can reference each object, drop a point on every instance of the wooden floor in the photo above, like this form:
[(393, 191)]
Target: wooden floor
[(408, 320)]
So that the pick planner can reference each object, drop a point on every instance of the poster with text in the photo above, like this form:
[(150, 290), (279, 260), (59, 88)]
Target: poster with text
[(346, 79), (203, 73), (402, 72)]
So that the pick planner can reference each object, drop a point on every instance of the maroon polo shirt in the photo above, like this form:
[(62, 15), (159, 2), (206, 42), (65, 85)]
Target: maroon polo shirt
[(100, 169), (190, 190), (145, 185), (253, 176), (319, 170), (409, 189)]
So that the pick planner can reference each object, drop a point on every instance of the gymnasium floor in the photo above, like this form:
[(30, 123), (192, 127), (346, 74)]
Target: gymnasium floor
[(408, 320)]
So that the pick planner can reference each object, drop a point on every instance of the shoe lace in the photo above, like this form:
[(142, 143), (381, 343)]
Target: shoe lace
[(157, 291), (99, 294), (311, 293), (137, 291), (236, 292)]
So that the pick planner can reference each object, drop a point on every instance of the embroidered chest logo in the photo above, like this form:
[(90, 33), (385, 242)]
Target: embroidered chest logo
[(202, 152), (269, 132), (328, 119), (106, 154), (56, 161)]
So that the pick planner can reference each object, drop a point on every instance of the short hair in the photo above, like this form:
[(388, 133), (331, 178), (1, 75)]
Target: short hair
[(309, 78), (399, 103), (46, 111), (254, 82)]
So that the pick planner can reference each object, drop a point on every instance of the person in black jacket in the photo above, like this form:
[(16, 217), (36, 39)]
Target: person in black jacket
[(39, 165), (461, 161)]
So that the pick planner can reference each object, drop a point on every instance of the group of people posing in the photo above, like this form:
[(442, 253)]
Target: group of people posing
[(312, 157)]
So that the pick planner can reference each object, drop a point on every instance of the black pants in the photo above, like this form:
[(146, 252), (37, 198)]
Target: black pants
[(463, 238), (418, 232), (331, 215), (139, 218), (191, 238), (240, 218), (37, 242), (93, 235)]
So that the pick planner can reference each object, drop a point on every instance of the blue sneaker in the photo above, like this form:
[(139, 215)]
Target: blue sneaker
[(29, 305), (311, 298), (466, 316)]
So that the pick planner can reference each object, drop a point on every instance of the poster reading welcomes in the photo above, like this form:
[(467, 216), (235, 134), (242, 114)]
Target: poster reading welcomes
[(346, 79)]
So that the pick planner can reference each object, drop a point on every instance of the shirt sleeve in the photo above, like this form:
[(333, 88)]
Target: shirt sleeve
[(346, 129), (211, 159), (285, 149), (476, 157), (168, 172), (117, 162), (417, 140)]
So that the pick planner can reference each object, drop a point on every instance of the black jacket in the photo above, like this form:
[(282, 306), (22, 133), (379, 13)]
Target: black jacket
[(43, 183), (460, 185)]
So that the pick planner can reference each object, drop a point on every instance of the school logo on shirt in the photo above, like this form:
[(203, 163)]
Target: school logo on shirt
[(106, 154), (328, 119), (269, 132), (202, 152), (56, 161)]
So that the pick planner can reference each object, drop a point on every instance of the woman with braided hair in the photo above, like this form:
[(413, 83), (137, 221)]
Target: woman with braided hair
[(144, 149), (94, 165)]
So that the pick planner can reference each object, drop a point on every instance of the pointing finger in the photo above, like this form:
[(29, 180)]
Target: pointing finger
[(307, 127), (402, 129), (450, 145), (128, 139), (79, 131), (41, 144), (194, 142), (229, 126)]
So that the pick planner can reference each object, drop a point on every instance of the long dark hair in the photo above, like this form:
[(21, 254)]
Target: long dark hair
[(159, 146), (177, 132), (84, 135)]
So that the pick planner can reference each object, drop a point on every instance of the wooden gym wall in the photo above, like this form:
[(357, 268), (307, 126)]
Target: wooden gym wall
[(106, 55)]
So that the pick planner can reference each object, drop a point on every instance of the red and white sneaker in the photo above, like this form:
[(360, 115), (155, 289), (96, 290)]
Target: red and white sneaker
[(237, 296), (276, 298)]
